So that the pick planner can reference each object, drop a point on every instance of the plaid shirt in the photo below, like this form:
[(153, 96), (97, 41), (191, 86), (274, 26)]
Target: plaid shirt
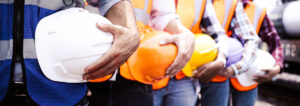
[(242, 29), (268, 34), (211, 26)]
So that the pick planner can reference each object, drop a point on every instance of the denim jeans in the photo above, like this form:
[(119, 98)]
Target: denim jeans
[(214, 93), (243, 98), (121, 92), (177, 93)]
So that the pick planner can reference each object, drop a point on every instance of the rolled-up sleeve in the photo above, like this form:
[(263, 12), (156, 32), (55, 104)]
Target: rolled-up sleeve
[(162, 12), (103, 5), (243, 29)]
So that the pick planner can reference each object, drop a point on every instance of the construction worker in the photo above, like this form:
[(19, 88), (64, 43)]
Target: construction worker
[(246, 95), (198, 16), (160, 15), (22, 82), (230, 14)]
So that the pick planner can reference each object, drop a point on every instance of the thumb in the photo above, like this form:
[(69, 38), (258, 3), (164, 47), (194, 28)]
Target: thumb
[(265, 70), (168, 40), (107, 28)]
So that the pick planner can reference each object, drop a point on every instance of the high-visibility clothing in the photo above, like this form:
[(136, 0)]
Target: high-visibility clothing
[(224, 12), (190, 13), (256, 16), (142, 9), (42, 90)]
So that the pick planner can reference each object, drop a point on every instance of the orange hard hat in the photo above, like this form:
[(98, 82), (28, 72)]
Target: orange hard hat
[(150, 61)]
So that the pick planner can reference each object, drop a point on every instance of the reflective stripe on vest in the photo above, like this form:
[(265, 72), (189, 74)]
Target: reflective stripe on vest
[(256, 16), (142, 9), (224, 11), (190, 13)]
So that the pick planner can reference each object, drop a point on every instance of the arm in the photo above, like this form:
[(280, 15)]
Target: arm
[(126, 38), (243, 29), (211, 26), (163, 17), (269, 35)]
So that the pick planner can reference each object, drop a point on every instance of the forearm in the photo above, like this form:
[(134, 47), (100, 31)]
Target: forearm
[(122, 14), (244, 30), (175, 27), (269, 35)]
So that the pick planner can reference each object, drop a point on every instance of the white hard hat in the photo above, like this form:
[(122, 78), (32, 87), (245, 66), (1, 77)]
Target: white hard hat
[(68, 41), (263, 60)]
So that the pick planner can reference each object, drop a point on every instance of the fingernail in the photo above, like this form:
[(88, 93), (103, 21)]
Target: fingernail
[(162, 42)]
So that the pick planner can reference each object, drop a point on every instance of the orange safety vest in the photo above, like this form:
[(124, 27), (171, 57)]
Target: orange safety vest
[(190, 13), (142, 9), (256, 16), (224, 12)]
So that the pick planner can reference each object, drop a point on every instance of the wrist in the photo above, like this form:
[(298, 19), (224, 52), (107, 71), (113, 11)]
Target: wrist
[(221, 58)]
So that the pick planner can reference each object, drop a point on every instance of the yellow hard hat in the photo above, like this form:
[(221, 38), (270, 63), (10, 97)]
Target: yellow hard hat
[(205, 51)]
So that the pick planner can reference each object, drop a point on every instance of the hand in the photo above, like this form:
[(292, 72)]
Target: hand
[(228, 72), (125, 43), (269, 74), (185, 44), (208, 71)]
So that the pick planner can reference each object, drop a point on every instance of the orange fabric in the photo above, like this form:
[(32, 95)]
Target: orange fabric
[(218, 78), (235, 83), (250, 10), (219, 6), (179, 75), (196, 28), (186, 11), (138, 3), (149, 6), (102, 79), (160, 84)]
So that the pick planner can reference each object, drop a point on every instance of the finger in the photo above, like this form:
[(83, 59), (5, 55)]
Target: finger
[(108, 57), (199, 73), (168, 40), (104, 71), (179, 62), (114, 29)]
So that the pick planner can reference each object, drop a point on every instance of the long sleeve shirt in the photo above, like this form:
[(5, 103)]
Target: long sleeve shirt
[(268, 34), (243, 30)]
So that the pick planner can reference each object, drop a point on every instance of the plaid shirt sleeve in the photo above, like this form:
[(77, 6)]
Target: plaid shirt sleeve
[(243, 29), (268, 34), (211, 26)]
